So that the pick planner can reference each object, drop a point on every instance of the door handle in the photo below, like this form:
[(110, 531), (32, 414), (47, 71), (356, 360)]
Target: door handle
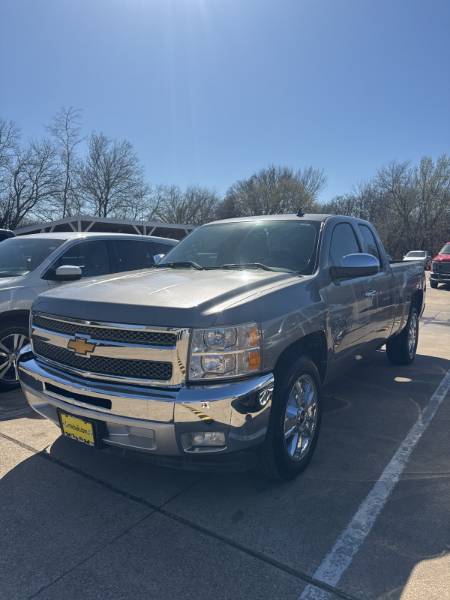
[(370, 293)]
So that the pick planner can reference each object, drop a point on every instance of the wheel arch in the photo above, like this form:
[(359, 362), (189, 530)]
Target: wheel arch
[(417, 300), (14, 316), (313, 345)]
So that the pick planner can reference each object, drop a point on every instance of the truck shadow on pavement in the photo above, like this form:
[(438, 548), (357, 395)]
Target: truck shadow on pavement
[(70, 503)]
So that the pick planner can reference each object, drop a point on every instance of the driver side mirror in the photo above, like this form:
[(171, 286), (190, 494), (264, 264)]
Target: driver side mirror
[(356, 265), (68, 273)]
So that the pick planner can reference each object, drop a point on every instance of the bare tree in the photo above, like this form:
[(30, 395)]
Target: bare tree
[(32, 184), (137, 205), (112, 177), (274, 190), (9, 138), (9, 141), (194, 206), (431, 182), (410, 205), (66, 131)]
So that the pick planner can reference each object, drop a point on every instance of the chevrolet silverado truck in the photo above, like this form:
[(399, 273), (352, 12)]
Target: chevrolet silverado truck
[(221, 349)]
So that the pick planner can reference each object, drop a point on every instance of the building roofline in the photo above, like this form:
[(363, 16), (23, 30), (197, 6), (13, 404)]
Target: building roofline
[(93, 235), (76, 221)]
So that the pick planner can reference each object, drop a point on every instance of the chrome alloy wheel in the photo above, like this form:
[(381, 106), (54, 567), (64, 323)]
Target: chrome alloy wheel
[(301, 416), (10, 347), (412, 333)]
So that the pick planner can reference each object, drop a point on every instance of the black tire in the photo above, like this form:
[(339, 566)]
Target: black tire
[(433, 284), (275, 460), (401, 349), (7, 379)]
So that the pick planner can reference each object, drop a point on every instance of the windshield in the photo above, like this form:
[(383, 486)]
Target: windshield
[(445, 249), (19, 256), (416, 254), (277, 245)]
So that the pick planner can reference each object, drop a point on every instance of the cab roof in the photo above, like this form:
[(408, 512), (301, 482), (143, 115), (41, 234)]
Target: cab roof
[(286, 217)]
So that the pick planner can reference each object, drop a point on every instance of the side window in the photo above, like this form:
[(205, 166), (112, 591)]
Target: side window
[(343, 242), (133, 255), (91, 257), (370, 244)]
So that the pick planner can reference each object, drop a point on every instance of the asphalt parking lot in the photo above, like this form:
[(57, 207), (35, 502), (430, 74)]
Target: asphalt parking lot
[(369, 518)]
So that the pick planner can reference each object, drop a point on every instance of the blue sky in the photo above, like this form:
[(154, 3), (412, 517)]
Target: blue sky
[(209, 91)]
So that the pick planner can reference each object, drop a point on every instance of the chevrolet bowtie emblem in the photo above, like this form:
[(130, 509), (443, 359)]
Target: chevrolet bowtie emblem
[(81, 346)]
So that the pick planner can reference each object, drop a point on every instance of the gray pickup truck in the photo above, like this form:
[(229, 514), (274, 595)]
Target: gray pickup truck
[(220, 351)]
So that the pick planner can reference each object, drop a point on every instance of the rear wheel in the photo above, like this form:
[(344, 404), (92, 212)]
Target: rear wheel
[(401, 349), (12, 339), (294, 421)]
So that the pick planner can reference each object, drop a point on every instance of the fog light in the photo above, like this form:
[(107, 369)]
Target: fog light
[(203, 439), (208, 438)]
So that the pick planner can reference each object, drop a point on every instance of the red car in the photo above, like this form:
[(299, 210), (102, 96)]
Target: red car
[(440, 269)]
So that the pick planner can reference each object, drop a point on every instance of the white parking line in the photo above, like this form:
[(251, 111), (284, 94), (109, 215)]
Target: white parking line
[(349, 542)]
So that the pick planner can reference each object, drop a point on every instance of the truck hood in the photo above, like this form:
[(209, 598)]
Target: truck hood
[(442, 258), (9, 283), (164, 297)]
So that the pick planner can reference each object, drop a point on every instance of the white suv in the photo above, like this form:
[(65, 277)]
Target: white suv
[(31, 264)]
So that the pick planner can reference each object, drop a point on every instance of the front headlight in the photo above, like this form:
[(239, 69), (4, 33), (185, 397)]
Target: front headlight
[(225, 352)]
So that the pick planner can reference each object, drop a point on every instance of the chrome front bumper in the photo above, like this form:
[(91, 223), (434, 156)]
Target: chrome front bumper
[(155, 420)]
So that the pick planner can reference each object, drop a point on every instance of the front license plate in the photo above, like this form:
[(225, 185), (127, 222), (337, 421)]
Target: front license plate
[(78, 429)]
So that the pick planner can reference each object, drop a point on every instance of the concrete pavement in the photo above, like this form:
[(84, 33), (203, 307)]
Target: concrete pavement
[(80, 523)]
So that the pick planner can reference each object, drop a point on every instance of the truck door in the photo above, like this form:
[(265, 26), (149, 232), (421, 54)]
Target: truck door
[(379, 290), (346, 298)]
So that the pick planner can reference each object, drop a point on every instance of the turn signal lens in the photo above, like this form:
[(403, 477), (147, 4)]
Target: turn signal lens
[(254, 360)]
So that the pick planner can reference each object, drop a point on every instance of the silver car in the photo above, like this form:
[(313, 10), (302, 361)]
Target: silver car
[(32, 264), (419, 255)]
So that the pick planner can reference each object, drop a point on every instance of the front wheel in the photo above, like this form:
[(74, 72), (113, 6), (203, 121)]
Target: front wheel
[(294, 421), (401, 349), (12, 339)]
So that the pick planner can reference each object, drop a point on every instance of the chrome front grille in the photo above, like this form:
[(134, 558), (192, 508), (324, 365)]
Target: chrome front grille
[(156, 338), (443, 267), (135, 369), (110, 351)]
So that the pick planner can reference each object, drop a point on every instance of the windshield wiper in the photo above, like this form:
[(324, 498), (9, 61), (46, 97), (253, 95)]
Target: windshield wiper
[(249, 265), (180, 264)]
